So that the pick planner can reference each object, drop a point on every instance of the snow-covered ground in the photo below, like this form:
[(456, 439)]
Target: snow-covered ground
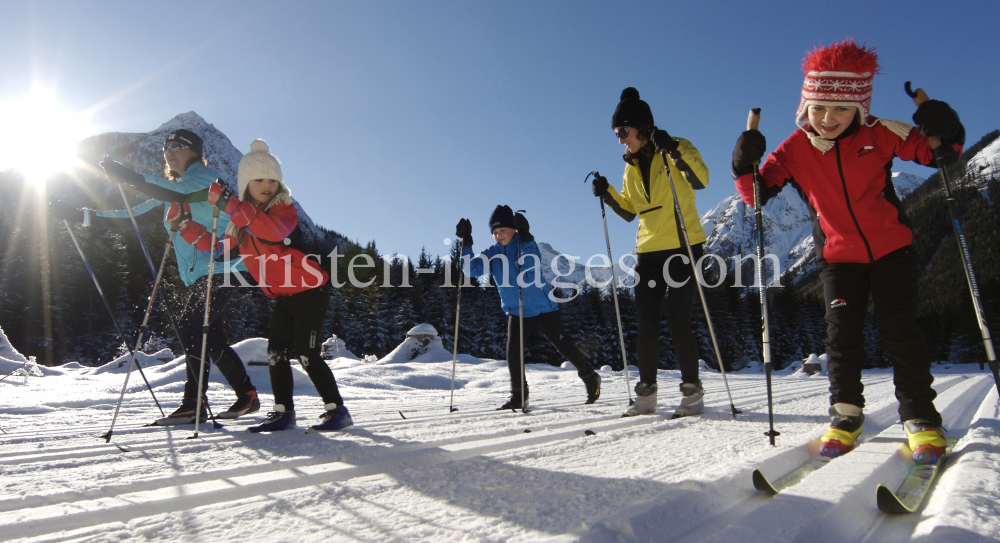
[(476, 474)]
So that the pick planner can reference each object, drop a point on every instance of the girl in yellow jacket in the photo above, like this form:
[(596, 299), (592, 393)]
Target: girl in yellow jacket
[(646, 194)]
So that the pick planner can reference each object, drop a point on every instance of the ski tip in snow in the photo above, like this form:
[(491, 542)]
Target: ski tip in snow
[(761, 483)]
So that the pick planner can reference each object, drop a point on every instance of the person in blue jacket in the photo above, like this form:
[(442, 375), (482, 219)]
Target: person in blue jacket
[(188, 178), (508, 259)]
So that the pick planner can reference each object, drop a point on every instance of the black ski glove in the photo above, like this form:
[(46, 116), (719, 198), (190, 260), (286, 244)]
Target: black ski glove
[(599, 185), (463, 230), (749, 149), (521, 223), (118, 173), (61, 211), (936, 118), (663, 143)]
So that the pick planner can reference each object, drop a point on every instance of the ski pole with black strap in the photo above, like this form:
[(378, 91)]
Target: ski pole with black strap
[(142, 332), (458, 309), (753, 120), (153, 271), (919, 97), (110, 312), (614, 293), (149, 262), (204, 328), (697, 279), (520, 322)]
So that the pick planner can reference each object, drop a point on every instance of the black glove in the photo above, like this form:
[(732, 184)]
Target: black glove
[(463, 230), (663, 142), (521, 223), (936, 118), (118, 173), (61, 211), (599, 185), (749, 149)]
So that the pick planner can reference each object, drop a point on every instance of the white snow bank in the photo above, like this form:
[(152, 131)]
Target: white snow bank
[(422, 344), (335, 347), (8, 351), (812, 365), (423, 329), (252, 351), (120, 364)]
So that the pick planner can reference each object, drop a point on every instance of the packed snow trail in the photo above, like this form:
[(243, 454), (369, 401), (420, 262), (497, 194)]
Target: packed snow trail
[(476, 474)]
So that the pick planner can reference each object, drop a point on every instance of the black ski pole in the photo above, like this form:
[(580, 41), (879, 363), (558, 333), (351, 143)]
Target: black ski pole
[(152, 270), (697, 280), (752, 121), (919, 97), (110, 312), (142, 332), (520, 322), (614, 294), (204, 328), (458, 308)]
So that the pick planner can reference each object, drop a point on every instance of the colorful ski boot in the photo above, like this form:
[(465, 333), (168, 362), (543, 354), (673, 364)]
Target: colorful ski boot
[(926, 440), (846, 421)]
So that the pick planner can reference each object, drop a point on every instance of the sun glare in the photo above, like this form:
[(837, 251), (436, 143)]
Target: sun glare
[(38, 136)]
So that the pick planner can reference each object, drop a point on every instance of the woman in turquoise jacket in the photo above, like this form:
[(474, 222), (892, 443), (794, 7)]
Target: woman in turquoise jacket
[(516, 254), (188, 179)]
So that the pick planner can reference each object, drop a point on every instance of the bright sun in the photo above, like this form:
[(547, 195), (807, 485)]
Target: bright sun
[(39, 136)]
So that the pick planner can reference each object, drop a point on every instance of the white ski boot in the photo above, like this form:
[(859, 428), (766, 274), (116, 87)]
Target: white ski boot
[(692, 400), (645, 400)]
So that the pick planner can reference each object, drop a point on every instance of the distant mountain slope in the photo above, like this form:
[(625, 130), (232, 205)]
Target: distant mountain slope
[(144, 153)]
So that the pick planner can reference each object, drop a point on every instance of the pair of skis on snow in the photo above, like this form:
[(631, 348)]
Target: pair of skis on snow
[(904, 499)]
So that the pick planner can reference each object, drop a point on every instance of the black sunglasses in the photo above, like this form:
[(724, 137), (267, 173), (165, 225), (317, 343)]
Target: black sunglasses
[(622, 132)]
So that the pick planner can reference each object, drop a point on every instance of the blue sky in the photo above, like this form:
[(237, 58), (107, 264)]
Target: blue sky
[(395, 119)]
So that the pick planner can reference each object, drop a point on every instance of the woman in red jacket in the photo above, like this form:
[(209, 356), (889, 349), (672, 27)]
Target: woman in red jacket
[(840, 161), (261, 220)]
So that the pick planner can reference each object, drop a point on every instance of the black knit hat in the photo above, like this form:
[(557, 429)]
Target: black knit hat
[(185, 137), (632, 111), (502, 217)]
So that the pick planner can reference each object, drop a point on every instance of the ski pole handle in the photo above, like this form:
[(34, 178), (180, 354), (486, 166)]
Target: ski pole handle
[(753, 119), (919, 97)]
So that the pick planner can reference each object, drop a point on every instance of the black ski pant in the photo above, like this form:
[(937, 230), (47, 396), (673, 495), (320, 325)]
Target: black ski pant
[(549, 325), (218, 351), (295, 327), (891, 282), (650, 289)]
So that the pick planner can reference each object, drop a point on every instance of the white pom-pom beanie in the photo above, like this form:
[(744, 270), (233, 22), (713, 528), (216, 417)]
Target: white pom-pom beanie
[(259, 163)]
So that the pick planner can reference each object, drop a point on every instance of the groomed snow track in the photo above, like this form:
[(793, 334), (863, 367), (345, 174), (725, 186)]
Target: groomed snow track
[(480, 475)]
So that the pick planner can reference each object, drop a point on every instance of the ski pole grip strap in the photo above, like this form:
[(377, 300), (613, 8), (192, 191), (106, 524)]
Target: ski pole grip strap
[(197, 196)]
